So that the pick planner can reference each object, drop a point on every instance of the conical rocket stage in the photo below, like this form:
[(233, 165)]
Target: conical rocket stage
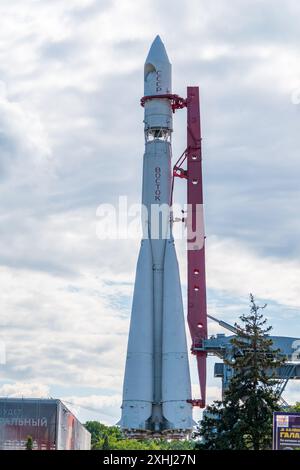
[(157, 379)]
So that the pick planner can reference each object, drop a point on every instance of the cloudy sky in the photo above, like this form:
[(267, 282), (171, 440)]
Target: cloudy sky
[(71, 138)]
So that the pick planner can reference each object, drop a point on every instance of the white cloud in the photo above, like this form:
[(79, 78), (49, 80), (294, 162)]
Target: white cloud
[(106, 408), (24, 389), (292, 394), (24, 142), (235, 268), (63, 332)]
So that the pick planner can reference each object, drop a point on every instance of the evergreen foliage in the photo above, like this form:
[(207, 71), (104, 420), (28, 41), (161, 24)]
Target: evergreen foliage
[(243, 420)]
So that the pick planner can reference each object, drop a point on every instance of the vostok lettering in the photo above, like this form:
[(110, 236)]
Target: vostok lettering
[(157, 183)]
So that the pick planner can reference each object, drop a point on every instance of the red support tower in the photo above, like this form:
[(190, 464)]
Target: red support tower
[(197, 310)]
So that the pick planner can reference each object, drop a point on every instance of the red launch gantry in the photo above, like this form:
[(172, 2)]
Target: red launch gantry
[(196, 307), (197, 312)]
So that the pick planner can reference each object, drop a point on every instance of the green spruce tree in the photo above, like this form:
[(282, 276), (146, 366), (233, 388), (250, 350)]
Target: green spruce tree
[(243, 420)]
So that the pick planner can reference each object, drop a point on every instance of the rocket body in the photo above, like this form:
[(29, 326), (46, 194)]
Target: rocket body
[(157, 379)]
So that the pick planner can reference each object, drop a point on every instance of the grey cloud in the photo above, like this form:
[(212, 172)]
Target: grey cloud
[(250, 156), (60, 360), (60, 50), (82, 13)]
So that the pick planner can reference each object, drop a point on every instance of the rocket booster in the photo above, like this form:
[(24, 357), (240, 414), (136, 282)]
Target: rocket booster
[(157, 384)]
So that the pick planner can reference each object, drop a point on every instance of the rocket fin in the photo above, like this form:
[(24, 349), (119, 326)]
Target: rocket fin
[(176, 382), (138, 380)]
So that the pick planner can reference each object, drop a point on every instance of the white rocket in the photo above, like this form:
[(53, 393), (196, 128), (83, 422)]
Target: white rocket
[(157, 379)]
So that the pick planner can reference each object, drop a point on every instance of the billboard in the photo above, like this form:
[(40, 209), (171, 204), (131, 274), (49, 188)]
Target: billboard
[(286, 431), (22, 418), (49, 422)]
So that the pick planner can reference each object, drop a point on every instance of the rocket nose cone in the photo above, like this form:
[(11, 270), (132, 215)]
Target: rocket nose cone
[(157, 52), (157, 70)]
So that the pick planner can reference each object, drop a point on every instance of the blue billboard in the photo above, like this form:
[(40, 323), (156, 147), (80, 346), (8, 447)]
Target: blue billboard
[(286, 431)]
